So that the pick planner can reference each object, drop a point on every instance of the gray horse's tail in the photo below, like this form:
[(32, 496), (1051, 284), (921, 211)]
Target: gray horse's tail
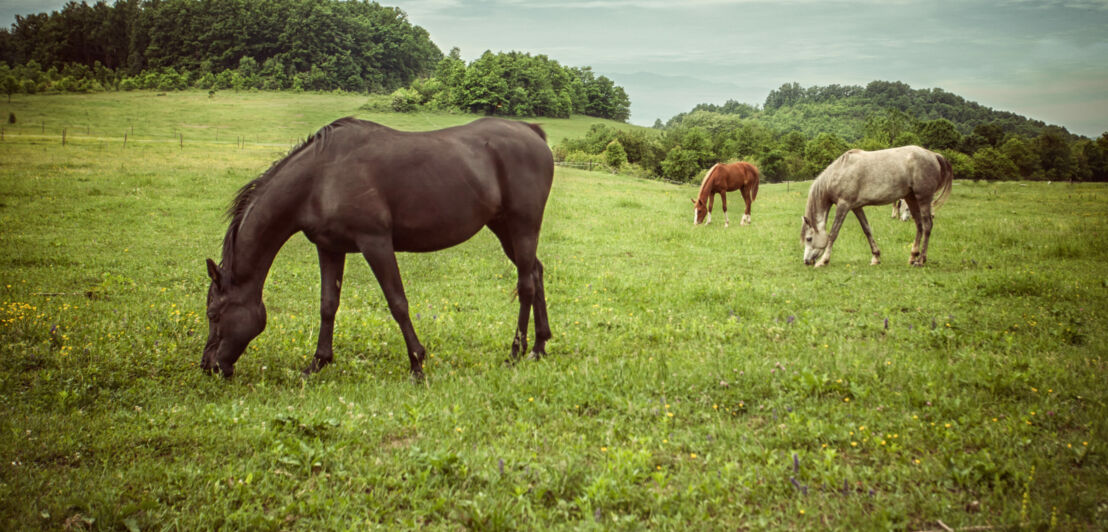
[(946, 181)]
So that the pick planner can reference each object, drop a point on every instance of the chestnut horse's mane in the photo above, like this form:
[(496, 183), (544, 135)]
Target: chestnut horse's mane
[(707, 176)]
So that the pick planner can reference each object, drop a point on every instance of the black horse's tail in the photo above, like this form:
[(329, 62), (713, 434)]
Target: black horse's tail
[(537, 129)]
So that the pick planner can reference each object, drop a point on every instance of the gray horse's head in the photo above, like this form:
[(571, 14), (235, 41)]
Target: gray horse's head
[(814, 240)]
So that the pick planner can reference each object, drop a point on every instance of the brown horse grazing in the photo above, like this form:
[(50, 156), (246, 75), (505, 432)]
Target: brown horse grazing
[(360, 187), (721, 179), (922, 178)]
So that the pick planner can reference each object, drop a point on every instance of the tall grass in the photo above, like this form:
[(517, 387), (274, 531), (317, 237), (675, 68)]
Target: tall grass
[(698, 377)]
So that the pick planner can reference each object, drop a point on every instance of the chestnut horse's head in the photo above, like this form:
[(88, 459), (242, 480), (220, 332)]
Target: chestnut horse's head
[(815, 241), (234, 318), (700, 211)]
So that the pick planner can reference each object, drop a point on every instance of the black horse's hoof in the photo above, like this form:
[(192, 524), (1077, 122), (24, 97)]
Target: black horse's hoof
[(315, 366)]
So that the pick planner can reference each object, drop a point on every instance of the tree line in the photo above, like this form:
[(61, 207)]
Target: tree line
[(514, 84), (798, 132), (263, 44), (312, 45)]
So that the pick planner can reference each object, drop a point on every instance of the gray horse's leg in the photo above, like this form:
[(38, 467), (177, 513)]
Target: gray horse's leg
[(914, 208), (379, 252), (331, 267), (926, 220), (869, 236), (840, 216)]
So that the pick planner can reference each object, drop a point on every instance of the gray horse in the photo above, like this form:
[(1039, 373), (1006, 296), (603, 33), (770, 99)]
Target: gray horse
[(920, 177)]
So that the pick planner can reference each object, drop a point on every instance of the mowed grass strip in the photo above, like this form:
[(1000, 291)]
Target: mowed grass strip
[(698, 376)]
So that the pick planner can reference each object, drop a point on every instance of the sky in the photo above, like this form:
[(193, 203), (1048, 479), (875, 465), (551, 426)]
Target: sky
[(1045, 59)]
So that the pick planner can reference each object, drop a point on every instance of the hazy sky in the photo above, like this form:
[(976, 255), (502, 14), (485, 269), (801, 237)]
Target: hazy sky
[(1044, 59)]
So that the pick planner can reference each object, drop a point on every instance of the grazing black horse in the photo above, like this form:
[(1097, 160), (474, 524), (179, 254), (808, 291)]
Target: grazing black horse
[(360, 187)]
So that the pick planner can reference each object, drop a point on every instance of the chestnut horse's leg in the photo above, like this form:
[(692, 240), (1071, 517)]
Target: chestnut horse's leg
[(520, 247), (379, 252), (331, 267), (711, 205), (746, 197), (869, 235), (723, 198)]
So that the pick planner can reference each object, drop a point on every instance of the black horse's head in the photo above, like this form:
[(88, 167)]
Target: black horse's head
[(235, 317)]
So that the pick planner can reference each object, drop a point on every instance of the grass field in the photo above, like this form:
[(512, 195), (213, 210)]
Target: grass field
[(698, 378)]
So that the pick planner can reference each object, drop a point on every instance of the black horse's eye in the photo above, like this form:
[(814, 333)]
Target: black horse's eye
[(809, 239)]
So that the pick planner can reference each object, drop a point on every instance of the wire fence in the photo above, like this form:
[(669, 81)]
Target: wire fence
[(67, 135)]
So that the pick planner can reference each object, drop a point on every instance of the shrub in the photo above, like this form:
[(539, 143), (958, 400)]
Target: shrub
[(614, 155), (405, 100)]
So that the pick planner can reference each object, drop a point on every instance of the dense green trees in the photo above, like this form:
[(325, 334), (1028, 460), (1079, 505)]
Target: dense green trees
[(516, 84), (267, 44), (799, 131), (310, 45)]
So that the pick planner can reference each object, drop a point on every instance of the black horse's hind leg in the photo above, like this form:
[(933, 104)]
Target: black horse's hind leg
[(379, 252), (542, 323), (861, 215), (520, 247), (331, 266)]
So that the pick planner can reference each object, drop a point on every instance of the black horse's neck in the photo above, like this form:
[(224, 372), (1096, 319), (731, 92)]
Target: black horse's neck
[(254, 236)]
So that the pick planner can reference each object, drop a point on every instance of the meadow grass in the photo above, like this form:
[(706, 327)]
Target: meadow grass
[(698, 376)]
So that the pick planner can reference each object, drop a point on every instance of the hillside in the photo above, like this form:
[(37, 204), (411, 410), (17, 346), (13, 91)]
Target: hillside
[(798, 131)]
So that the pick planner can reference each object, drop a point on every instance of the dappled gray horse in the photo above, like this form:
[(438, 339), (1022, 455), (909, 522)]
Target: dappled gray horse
[(920, 177)]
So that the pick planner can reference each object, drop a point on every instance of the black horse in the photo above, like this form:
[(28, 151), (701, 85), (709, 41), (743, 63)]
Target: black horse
[(360, 187)]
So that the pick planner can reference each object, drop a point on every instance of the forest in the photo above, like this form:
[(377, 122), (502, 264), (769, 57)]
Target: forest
[(798, 131), (313, 45)]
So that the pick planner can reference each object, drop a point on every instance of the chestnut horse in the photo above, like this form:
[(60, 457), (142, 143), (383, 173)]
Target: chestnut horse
[(360, 187), (920, 177), (721, 179)]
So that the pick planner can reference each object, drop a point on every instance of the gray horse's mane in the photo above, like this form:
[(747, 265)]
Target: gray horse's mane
[(246, 196)]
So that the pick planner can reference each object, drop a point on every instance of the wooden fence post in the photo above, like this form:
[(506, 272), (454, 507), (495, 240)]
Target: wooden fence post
[(63, 136), (124, 140)]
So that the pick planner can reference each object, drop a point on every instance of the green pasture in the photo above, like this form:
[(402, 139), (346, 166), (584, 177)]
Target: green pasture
[(698, 378)]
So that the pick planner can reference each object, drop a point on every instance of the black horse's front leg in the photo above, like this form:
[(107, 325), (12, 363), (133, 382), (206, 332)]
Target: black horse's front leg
[(380, 254), (331, 266)]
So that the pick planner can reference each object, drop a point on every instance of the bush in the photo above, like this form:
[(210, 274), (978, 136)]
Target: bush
[(405, 100), (614, 155)]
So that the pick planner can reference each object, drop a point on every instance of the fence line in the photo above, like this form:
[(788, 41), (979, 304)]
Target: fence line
[(67, 137)]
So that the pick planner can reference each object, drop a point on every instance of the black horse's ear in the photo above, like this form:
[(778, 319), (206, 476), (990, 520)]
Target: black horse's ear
[(214, 273)]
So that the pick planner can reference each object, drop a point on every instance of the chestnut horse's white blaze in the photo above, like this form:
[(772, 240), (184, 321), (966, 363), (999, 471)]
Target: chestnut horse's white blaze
[(721, 179), (920, 177)]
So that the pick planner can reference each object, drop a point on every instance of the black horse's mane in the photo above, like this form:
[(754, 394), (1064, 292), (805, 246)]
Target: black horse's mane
[(250, 192)]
